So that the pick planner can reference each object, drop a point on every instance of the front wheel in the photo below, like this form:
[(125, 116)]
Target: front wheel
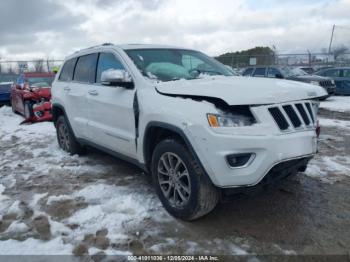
[(181, 184)]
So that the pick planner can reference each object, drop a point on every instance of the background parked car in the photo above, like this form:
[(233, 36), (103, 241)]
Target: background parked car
[(5, 92), (341, 77), (31, 94), (6, 81), (291, 73), (307, 69)]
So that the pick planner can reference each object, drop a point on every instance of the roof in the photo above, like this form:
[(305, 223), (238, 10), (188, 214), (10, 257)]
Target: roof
[(122, 47), (146, 46)]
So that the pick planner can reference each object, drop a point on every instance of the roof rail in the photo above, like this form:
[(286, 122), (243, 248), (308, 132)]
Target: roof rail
[(104, 44)]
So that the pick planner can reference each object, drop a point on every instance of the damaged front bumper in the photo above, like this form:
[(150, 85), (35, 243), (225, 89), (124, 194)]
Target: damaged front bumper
[(269, 150)]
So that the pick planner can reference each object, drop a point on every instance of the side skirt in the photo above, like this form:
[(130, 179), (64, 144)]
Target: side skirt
[(113, 153)]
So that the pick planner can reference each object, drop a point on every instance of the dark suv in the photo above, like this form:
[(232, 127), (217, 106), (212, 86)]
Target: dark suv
[(291, 73)]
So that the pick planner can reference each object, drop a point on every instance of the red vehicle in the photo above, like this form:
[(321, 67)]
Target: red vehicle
[(30, 96)]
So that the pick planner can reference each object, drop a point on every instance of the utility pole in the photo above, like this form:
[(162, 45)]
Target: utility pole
[(330, 43)]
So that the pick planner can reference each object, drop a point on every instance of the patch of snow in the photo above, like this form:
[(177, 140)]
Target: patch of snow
[(334, 123), (59, 198), (337, 103), (329, 169), (35, 199), (110, 207), (14, 208), (5, 201), (33, 246), (17, 227)]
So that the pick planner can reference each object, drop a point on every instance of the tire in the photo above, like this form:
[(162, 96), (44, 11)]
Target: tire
[(199, 195), (28, 110), (65, 137)]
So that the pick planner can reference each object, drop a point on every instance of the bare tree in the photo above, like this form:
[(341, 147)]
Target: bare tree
[(38, 65)]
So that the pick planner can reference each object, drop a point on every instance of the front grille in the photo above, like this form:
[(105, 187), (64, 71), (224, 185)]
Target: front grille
[(293, 115), (303, 114), (326, 83), (308, 106), (279, 118)]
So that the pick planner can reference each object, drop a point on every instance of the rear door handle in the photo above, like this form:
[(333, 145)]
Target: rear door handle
[(66, 88), (93, 92)]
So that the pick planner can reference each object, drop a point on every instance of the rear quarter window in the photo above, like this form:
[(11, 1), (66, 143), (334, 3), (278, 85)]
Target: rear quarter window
[(67, 70)]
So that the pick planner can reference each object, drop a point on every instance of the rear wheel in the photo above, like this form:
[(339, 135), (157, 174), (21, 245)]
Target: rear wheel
[(181, 184), (66, 138)]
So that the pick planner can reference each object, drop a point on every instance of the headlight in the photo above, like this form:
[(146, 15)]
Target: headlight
[(229, 120), (315, 83), (333, 82)]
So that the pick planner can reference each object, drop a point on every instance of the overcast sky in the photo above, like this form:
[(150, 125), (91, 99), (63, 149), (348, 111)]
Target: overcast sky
[(41, 28)]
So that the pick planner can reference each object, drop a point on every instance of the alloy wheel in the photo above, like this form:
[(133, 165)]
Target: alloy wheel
[(174, 179), (63, 137)]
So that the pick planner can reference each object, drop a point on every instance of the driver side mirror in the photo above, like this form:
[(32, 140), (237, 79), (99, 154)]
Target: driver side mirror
[(117, 77)]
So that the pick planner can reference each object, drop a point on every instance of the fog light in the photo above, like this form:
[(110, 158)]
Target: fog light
[(240, 160)]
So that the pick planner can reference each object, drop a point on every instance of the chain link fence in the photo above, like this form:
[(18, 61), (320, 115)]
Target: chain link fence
[(10, 69), (311, 60)]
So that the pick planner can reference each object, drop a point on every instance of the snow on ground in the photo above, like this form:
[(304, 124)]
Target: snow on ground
[(337, 103), (329, 169), (53, 203), (116, 208), (334, 122)]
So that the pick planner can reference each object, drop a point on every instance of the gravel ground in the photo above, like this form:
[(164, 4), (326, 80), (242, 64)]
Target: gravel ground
[(52, 203)]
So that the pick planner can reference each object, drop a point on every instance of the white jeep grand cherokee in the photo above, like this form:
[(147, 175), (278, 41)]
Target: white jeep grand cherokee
[(201, 132)]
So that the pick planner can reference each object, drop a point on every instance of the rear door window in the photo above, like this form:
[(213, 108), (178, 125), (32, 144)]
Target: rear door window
[(67, 70), (260, 71), (107, 61), (85, 70)]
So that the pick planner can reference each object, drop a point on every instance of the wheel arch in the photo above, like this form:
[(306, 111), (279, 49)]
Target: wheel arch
[(57, 111), (158, 131)]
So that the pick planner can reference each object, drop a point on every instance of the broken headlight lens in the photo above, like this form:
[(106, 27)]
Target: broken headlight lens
[(229, 120)]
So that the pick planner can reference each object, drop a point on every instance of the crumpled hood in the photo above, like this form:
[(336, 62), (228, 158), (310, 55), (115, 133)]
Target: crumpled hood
[(242, 90)]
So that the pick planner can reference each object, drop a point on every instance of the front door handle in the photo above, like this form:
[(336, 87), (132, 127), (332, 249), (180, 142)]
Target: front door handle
[(93, 92), (66, 88)]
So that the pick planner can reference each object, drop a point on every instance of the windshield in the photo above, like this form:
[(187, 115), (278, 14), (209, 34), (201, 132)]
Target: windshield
[(175, 64), (290, 71), (40, 81)]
